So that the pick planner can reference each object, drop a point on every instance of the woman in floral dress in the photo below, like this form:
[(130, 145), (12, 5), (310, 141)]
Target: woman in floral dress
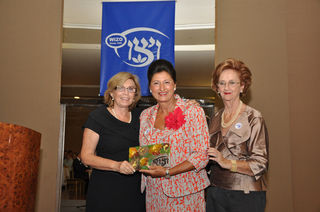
[(183, 126)]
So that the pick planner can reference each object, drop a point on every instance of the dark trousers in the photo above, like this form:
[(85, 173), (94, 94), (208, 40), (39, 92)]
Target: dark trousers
[(222, 200)]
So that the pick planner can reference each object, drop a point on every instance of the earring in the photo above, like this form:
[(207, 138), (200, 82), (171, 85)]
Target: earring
[(112, 98), (174, 89), (150, 91)]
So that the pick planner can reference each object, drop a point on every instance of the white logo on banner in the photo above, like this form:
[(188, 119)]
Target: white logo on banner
[(139, 52)]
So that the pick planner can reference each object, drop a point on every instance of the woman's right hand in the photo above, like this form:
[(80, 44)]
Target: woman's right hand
[(124, 167), (215, 155)]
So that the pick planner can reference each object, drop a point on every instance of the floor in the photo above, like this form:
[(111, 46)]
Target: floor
[(73, 206), (71, 202)]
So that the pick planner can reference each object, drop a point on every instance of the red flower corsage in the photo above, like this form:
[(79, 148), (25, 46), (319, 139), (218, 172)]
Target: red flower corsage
[(175, 119)]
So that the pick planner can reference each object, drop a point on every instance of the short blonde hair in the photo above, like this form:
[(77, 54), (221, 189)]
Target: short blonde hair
[(119, 79)]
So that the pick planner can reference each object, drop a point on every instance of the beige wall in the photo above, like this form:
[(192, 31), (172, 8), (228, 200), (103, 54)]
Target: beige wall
[(30, 70), (279, 40), (303, 34)]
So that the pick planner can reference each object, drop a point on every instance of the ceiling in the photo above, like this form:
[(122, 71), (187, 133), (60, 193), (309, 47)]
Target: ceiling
[(194, 47)]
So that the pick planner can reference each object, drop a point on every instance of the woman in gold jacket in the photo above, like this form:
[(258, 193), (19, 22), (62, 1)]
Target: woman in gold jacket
[(238, 150)]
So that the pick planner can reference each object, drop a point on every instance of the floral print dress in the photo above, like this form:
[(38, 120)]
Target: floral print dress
[(190, 141)]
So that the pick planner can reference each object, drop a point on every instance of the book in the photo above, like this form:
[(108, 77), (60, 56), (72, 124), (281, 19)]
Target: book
[(140, 157)]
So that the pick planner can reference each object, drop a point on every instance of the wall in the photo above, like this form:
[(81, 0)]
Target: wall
[(303, 33), (30, 64), (277, 39)]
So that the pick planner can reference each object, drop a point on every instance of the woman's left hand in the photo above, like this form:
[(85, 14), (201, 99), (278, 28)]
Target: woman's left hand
[(155, 171), (192, 102), (215, 155)]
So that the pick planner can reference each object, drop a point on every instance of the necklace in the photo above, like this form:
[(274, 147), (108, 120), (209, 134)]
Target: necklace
[(225, 125), (115, 115)]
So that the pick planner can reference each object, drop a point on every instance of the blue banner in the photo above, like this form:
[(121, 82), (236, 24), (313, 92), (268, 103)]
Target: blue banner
[(133, 35)]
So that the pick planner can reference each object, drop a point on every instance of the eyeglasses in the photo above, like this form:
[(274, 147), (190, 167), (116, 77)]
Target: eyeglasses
[(129, 89), (231, 84)]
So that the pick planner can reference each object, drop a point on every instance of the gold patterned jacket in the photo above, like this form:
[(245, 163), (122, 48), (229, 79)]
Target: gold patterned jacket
[(247, 139)]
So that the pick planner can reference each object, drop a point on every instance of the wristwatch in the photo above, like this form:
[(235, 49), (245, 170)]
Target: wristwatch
[(167, 176)]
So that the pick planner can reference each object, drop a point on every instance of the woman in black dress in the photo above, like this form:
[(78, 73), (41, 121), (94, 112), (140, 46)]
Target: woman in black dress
[(108, 133)]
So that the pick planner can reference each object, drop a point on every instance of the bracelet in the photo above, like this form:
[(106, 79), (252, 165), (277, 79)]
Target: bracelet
[(167, 176), (233, 166)]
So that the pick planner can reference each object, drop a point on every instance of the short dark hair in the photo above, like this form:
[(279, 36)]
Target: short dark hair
[(161, 65)]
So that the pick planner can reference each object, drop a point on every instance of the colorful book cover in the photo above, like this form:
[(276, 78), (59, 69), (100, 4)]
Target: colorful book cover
[(140, 157)]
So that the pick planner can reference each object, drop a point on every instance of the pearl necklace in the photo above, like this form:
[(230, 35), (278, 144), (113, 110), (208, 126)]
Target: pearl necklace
[(226, 125), (115, 115)]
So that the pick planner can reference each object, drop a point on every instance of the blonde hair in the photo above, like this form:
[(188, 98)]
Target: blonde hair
[(119, 79)]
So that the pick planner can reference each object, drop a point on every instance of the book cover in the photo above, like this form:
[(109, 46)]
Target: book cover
[(140, 157)]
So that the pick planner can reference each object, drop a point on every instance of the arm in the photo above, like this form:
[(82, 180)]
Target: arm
[(159, 171), (199, 139), (258, 147), (242, 166), (89, 144)]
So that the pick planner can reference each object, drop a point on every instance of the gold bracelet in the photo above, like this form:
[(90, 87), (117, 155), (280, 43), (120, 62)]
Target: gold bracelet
[(233, 166)]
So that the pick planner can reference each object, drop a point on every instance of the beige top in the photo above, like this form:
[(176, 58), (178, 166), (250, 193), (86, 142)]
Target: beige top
[(247, 139)]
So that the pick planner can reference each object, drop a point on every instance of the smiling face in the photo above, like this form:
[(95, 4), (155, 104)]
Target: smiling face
[(229, 85), (122, 96), (162, 87)]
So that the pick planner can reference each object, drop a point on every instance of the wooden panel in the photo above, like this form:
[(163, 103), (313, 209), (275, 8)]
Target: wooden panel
[(19, 164)]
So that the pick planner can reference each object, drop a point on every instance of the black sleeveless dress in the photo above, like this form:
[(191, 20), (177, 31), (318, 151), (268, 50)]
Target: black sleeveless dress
[(108, 190)]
